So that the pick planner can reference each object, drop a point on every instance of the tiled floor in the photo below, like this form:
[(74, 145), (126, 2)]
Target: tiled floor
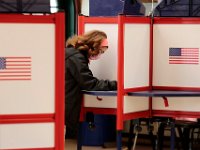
[(71, 145)]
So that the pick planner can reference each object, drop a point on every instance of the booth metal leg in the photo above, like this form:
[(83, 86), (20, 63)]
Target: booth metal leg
[(172, 138), (79, 139), (119, 140)]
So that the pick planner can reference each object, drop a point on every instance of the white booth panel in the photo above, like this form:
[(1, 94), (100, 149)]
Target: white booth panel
[(106, 66), (29, 90), (135, 104), (191, 104), (27, 135), (105, 102), (136, 55), (181, 36)]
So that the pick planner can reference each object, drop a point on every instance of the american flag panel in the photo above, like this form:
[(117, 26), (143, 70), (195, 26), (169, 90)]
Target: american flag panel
[(183, 55), (15, 68)]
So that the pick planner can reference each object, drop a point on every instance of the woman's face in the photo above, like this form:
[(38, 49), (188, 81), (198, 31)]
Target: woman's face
[(102, 49)]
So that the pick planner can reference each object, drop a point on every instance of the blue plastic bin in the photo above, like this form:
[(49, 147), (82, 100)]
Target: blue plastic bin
[(178, 8), (115, 7), (104, 131)]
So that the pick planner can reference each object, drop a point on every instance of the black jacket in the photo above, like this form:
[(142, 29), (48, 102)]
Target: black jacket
[(79, 77)]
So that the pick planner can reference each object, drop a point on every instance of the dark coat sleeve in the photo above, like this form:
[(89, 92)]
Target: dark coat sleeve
[(79, 69)]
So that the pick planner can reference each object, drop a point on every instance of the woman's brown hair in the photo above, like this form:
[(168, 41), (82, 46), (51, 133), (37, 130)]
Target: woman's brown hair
[(90, 42)]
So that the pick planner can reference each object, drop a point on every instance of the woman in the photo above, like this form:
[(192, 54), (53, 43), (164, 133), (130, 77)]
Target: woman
[(80, 50)]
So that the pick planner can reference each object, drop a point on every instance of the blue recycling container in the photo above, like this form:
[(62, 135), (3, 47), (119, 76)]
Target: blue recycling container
[(177, 8), (104, 131), (115, 7)]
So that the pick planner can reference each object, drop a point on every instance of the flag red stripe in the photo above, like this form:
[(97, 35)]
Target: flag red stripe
[(15, 79), (189, 49), (15, 72), (18, 68), (19, 61), (18, 65), (182, 63)]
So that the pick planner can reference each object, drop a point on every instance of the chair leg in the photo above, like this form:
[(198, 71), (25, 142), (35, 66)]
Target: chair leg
[(160, 136), (150, 129), (152, 140), (186, 138), (79, 140), (130, 139), (192, 138), (135, 140), (177, 139)]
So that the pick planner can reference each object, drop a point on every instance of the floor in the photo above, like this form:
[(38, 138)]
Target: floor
[(143, 143), (71, 145)]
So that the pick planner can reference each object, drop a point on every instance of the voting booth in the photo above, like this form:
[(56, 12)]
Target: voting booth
[(32, 81), (155, 62), (119, 65), (125, 35), (176, 64)]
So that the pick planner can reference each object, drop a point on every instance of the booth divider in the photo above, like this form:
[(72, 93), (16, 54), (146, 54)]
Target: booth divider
[(32, 81)]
